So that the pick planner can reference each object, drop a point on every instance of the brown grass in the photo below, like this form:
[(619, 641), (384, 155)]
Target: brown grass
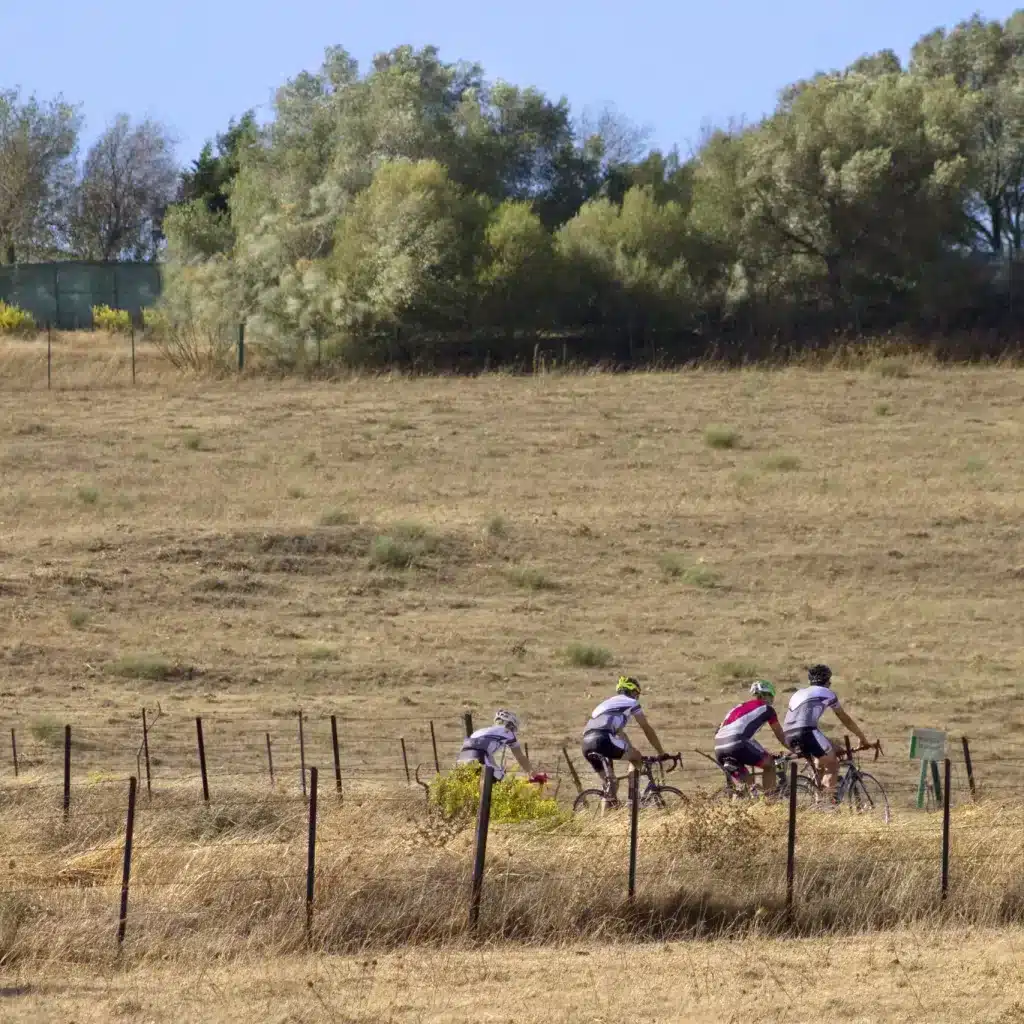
[(891, 550)]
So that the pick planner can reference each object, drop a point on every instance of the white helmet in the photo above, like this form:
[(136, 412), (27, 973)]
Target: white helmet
[(507, 719)]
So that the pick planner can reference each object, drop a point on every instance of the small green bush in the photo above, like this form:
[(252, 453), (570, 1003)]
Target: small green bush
[(701, 576), (47, 730), (497, 527), (782, 462), (335, 517), (672, 564), (721, 437), (113, 321), (77, 618), (142, 666), (588, 656), (88, 495), (15, 320), (456, 796), (402, 546)]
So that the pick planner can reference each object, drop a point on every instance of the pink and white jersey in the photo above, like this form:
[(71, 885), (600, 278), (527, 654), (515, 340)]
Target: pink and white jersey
[(743, 721)]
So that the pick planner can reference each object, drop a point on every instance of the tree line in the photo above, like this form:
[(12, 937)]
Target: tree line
[(418, 207)]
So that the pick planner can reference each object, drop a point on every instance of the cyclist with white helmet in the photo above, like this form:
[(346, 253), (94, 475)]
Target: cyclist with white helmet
[(485, 744), (734, 741), (605, 737), (806, 707)]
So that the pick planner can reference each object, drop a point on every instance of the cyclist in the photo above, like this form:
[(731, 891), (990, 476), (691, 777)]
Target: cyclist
[(604, 735), (801, 731), (734, 741), (482, 746)]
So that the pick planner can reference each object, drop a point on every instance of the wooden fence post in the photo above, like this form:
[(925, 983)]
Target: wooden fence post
[(967, 764), (405, 762), (483, 821), (270, 762), (14, 753), (572, 771), (467, 721)]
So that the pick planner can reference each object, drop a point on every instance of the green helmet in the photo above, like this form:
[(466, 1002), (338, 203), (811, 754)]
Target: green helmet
[(628, 685), (762, 688)]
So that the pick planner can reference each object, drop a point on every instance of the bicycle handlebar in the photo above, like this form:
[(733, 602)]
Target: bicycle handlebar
[(673, 760)]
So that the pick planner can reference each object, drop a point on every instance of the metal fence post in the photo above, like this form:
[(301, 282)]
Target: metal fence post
[(467, 720), (129, 831), (311, 854), (14, 753), (145, 749), (483, 820), (634, 815), (405, 762), (969, 766), (791, 839), (433, 743), (241, 347), (67, 771), (337, 754), (270, 762), (202, 759), (945, 831), (302, 756)]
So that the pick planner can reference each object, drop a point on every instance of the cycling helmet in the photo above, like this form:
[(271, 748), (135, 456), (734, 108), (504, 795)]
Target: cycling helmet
[(628, 685), (507, 719), (819, 675), (762, 688)]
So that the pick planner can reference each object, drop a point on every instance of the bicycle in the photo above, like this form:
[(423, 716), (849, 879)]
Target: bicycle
[(739, 784), (656, 794), (859, 790)]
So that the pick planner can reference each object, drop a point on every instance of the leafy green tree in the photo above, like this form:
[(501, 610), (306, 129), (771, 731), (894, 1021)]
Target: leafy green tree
[(38, 144)]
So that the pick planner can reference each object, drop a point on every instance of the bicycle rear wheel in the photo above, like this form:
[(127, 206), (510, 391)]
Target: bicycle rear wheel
[(663, 799), (590, 801), (866, 795)]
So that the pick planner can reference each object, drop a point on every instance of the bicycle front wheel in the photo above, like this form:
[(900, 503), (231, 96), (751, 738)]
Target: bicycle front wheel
[(663, 799), (590, 801), (866, 795)]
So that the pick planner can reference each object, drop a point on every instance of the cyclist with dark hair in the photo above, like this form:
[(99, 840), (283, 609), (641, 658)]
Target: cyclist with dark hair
[(605, 737), (801, 731), (734, 742)]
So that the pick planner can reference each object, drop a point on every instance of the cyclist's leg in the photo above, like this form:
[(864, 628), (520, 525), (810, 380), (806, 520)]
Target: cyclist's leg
[(731, 760), (766, 763), (600, 750), (826, 761)]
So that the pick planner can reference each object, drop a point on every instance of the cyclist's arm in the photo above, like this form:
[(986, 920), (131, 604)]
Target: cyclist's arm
[(652, 736), (779, 734), (524, 761), (852, 726)]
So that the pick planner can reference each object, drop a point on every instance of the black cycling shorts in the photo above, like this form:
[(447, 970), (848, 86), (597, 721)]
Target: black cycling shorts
[(808, 742), (601, 744), (749, 753)]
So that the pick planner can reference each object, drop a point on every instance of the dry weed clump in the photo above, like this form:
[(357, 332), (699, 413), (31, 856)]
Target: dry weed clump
[(229, 879)]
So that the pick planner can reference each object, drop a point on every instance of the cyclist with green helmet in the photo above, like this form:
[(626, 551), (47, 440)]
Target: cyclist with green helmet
[(736, 750), (605, 737)]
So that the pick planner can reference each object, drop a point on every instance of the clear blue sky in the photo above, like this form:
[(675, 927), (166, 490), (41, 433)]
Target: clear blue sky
[(668, 64)]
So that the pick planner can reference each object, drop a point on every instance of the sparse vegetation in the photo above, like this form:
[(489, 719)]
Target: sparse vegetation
[(672, 564), (721, 437), (702, 576), (193, 441), (782, 462), (88, 494), (530, 578), (336, 517), (737, 668), (77, 618), (497, 527), (142, 666), (588, 656)]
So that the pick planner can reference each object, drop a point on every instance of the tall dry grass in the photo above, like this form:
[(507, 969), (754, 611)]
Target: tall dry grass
[(229, 880)]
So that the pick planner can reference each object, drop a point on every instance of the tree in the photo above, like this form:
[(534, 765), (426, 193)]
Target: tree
[(986, 60), (859, 181), (127, 182), (211, 175), (38, 143)]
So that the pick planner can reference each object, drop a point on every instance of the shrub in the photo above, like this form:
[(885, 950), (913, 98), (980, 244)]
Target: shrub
[(782, 462), (701, 576), (335, 517), (530, 579), (15, 320), (497, 527), (721, 437), (77, 618), (456, 796), (588, 656), (672, 564), (88, 495), (142, 666), (47, 730), (402, 546), (113, 321)]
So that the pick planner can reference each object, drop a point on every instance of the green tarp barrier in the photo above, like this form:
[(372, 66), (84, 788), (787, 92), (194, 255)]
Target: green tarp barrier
[(63, 294)]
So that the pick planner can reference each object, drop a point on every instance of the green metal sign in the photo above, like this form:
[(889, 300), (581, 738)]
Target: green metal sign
[(930, 746)]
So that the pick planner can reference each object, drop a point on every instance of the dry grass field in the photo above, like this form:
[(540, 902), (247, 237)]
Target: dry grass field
[(395, 551)]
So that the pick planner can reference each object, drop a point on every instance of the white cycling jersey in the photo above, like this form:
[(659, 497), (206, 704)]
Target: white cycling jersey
[(806, 707), (485, 743), (613, 714)]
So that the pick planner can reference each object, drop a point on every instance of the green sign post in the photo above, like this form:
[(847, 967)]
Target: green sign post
[(930, 746)]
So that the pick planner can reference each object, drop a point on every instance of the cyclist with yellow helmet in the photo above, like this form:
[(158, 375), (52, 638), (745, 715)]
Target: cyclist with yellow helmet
[(605, 737)]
